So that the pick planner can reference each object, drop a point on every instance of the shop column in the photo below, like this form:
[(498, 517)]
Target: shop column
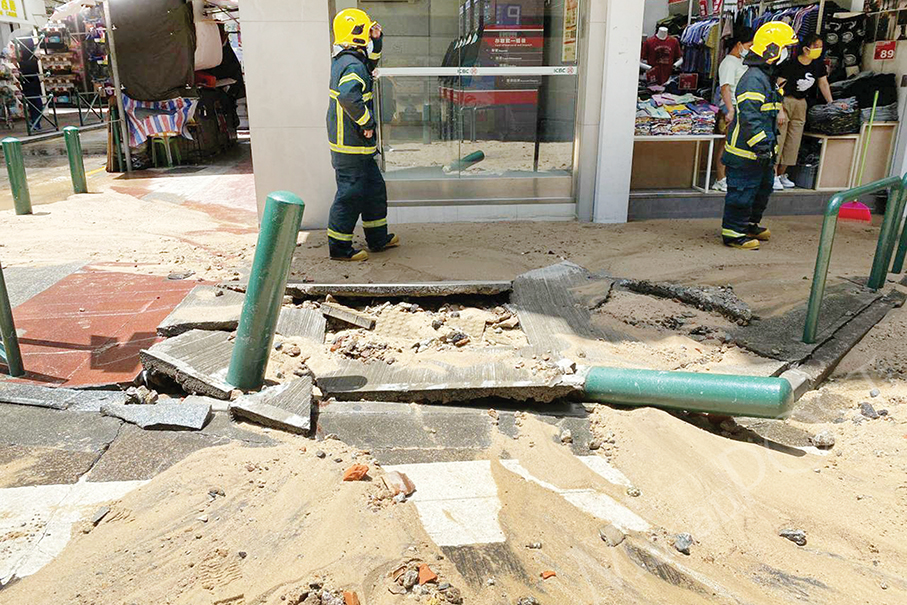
[(623, 33)]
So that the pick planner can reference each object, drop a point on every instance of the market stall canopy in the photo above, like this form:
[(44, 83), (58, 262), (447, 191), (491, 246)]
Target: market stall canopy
[(24, 12), (71, 8), (155, 47)]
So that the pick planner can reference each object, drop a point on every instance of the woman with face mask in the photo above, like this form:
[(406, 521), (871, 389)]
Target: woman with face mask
[(729, 73), (799, 78)]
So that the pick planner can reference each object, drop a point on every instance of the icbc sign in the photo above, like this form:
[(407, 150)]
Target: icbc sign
[(886, 51)]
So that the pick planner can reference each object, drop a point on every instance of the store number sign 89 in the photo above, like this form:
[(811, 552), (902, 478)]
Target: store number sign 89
[(886, 51)]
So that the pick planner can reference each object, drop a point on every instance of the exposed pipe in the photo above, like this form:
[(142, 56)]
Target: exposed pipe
[(752, 396)]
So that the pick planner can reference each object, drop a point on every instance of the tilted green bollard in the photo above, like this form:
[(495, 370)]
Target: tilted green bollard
[(15, 166), (898, 266), (76, 164), (11, 354), (267, 285)]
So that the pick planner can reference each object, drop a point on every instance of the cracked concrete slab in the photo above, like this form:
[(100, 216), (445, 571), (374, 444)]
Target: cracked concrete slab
[(170, 414), (57, 398), (137, 454), (307, 324), (286, 406), (204, 308), (414, 290), (66, 430), (780, 337), (23, 283), (197, 360), (25, 465)]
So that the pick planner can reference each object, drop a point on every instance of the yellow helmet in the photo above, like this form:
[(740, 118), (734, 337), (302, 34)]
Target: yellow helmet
[(352, 27), (771, 38)]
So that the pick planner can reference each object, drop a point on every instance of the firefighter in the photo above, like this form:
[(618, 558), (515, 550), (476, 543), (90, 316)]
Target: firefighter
[(752, 141), (351, 133)]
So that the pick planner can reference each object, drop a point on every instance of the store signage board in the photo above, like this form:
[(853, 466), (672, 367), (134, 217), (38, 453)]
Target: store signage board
[(688, 81), (886, 51), (571, 22), (13, 11), (703, 8)]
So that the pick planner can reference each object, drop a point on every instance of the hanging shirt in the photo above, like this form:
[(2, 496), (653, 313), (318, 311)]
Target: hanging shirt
[(661, 55), (802, 80)]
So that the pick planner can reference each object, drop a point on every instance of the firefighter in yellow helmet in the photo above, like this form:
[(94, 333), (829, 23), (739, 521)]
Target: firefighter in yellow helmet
[(752, 139), (351, 133)]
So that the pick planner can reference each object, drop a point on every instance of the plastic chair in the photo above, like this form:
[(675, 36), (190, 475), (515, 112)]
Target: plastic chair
[(169, 142)]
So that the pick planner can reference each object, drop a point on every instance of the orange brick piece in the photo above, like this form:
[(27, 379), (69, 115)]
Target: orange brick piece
[(548, 574), (350, 598), (355, 472), (426, 575)]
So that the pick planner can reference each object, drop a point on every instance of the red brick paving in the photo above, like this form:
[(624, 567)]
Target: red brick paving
[(88, 329)]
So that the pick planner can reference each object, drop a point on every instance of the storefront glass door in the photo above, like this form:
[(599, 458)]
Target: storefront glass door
[(472, 89)]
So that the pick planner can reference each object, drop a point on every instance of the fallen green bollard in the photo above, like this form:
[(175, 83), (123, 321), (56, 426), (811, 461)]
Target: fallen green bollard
[(15, 166), (752, 396), (267, 285), (76, 163)]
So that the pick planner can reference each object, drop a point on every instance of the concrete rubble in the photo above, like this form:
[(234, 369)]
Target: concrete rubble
[(287, 406), (167, 414), (416, 290), (347, 315)]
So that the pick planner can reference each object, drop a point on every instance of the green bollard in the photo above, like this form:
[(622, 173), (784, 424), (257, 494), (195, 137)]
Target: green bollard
[(267, 285), (753, 396), (76, 164), (10, 354), (15, 166)]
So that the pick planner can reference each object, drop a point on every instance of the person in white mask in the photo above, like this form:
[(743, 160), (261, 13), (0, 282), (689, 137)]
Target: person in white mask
[(729, 73)]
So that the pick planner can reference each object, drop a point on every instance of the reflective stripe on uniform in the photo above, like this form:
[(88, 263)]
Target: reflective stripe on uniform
[(343, 237), (731, 233), (749, 155), (339, 123), (755, 139), (381, 222), (374, 56), (350, 77), (353, 150), (366, 116), (751, 96), (772, 106), (367, 96), (333, 93)]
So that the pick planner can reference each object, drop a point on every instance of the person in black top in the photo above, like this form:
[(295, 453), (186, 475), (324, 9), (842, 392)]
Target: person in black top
[(800, 78)]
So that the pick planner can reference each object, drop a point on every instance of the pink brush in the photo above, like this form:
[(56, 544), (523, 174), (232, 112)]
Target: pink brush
[(855, 211)]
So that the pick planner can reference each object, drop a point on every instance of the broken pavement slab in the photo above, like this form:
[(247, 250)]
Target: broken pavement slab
[(414, 290), (166, 414), (197, 360), (287, 406), (715, 299), (204, 308), (58, 398), (213, 308)]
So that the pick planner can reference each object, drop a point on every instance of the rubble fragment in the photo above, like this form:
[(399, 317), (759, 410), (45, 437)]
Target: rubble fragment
[(721, 300), (169, 414), (683, 542), (823, 440), (141, 395), (287, 406), (545, 575), (398, 483), (611, 535), (357, 472), (797, 536), (347, 315), (426, 575)]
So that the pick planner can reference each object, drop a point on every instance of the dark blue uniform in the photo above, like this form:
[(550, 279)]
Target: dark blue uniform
[(751, 149), (360, 186)]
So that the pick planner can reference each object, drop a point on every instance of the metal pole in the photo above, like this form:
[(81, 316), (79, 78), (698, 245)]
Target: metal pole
[(118, 91), (872, 119), (11, 353), (426, 123), (887, 238), (379, 138), (267, 285), (819, 23), (689, 13), (752, 396), (76, 164), (15, 167), (826, 243), (898, 266)]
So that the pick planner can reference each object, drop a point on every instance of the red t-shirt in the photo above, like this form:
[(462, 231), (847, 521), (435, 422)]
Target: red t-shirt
[(661, 55)]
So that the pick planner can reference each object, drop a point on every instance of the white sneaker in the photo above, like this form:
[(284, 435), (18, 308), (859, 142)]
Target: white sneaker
[(720, 185), (785, 180), (779, 186)]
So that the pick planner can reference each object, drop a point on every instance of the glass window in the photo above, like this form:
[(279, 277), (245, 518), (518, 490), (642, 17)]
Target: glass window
[(495, 93)]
